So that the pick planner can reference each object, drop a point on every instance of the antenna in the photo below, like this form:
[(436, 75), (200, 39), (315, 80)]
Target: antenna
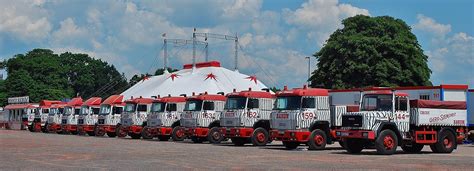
[(223, 37)]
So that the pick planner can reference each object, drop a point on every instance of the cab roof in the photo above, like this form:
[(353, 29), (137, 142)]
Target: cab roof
[(305, 91), (113, 99), (48, 103), (75, 102), (93, 101), (60, 105), (251, 94), (210, 97), (140, 100), (171, 99)]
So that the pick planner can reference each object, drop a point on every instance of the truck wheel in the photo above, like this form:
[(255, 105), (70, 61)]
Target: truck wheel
[(45, 129), (215, 136), (80, 131), (37, 127), (177, 134), (291, 145), (196, 140), (238, 141), (163, 137), (341, 143), (31, 128), (446, 142), (120, 132), (412, 148), (99, 132), (146, 133), (74, 132), (317, 140), (387, 142), (111, 134), (135, 136), (260, 137), (353, 145)]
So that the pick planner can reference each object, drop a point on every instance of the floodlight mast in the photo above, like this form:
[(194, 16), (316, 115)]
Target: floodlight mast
[(180, 42), (223, 37)]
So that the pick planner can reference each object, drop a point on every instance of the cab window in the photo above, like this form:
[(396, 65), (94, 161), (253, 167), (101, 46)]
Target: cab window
[(309, 103), (118, 110), (171, 107), (142, 108), (401, 104), (252, 104), (208, 106)]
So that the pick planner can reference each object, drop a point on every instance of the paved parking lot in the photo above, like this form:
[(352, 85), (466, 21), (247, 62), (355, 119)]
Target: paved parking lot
[(26, 150)]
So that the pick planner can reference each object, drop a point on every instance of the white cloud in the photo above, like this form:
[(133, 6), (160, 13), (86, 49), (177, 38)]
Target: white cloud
[(431, 26)]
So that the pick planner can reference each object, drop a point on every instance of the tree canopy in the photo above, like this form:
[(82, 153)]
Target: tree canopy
[(371, 51), (41, 74), (160, 71)]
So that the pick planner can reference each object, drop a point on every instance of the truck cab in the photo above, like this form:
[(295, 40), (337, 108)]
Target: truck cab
[(41, 115), (164, 118), (87, 118), (246, 117), (69, 118), (56, 111), (200, 118), (109, 116), (133, 119), (388, 119), (302, 116), (29, 117)]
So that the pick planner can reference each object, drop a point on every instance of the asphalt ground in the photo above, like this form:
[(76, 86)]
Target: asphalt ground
[(23, 150)]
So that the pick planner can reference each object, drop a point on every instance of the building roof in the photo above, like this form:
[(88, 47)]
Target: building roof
[(442, 86), (387, 92), (20, 106), (206, 77)]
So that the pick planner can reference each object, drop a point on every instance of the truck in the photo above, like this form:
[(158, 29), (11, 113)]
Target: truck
[(53, 125), (304, 116), (133, 119), (200, 118), (164, 118), (41, 115), (109, 116), (470, 114), (70, 115), (246, 117), (388, 119), (29, 117), (87, 118)]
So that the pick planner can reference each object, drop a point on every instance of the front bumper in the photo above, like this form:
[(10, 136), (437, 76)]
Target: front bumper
[(135, 129), (360, 134), (68, 127), (156, 131), (237, 132), (196, 132), (107, 128), (86, 128), (301, 136)]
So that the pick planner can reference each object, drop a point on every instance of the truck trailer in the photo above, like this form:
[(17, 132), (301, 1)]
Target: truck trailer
[(246, 117)]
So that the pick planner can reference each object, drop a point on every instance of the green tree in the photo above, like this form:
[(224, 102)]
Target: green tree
[(371, 51), (160, 71)]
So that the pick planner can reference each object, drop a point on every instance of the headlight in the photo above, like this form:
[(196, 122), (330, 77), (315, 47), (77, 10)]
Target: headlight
[(365, 134)]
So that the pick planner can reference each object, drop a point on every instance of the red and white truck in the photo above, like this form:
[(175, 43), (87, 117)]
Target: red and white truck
[(87, 119), (388, 119), (164, 118), (41, 115), (133, 119), (246, 117), (69, 118), (304, 116), (53, 125), (200, 118), (109, 116)]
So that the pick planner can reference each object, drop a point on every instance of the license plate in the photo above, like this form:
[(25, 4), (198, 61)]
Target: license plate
[(188, 115), (344, 134), (228, 122), (229, 114), (281, 124), (282, 116)]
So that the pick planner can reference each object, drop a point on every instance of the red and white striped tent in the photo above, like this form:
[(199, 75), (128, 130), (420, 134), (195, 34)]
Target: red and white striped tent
[(205, 77)]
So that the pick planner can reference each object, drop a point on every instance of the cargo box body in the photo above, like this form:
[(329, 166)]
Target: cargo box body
[(438, 113)]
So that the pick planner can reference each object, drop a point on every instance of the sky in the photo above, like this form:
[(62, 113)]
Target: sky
[(275, 36)]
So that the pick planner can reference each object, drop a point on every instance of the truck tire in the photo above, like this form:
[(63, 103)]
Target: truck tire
[(146, 133), (196, 139), (260, 137), (317, 140), (353, 145), (163, 137), (45, 129), (135, 136), (290, 145), (238, 141), (214, 136), (412, 148), (120, 132), (80, 131), (99, 132), (177, 134), (446, 142), (31, 128), (341, 143), (387, 142), (74, 132)]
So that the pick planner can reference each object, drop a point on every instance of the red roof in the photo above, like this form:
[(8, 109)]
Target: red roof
[(388, 92), (442, 86), (140, 101), (75, 102), (93, 101), (48, 103), (114, 99), (211, 97), (60, 105), (304, 92), (203, 64), (19, 106), (171, 99), (251, 94), (437, 104)]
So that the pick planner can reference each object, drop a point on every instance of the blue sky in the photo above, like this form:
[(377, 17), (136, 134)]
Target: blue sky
[(275, 35)]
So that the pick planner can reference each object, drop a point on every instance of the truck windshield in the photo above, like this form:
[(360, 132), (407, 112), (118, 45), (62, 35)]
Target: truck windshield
[(95, 110), (288, 103), (68, 111), (142, 108), (53, 111), (105, 109), (45, 111), (193, 105), (77, 111), (158, 107), (130, 107), (84, 110), (235, 103), (377, 103)]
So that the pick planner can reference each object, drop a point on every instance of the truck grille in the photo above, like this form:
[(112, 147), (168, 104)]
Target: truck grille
[(101, 121), (64, 121), (352, 121), (80, 121)]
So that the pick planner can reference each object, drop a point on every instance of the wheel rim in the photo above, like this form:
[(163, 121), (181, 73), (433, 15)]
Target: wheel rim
[(179, 133), (37, 127), (261, 137), (122, 133), (447, 142), (388, 142), (216, 135), (319, 140)]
